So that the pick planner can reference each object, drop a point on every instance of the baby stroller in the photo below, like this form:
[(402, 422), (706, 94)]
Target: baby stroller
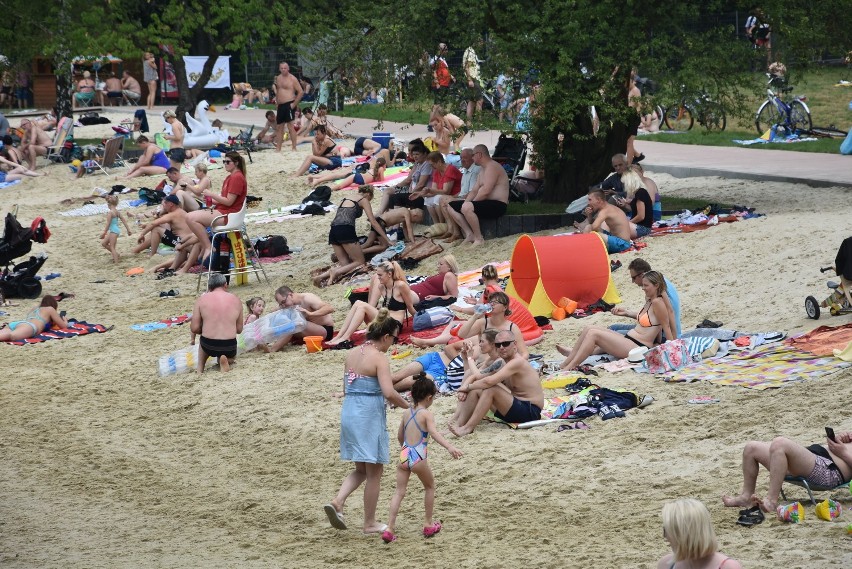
[(511, 153), (19, 280), (838, 302)]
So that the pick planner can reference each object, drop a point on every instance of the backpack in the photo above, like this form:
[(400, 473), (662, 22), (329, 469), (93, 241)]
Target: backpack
[(320, 195), (432, 317), (151, 197), (272, 246)]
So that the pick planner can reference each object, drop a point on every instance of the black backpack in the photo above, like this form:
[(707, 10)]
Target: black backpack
[(320, 195), (272, 246)]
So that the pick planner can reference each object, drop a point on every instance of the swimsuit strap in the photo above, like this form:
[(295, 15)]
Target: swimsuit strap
[(36, 313), (423, 434)]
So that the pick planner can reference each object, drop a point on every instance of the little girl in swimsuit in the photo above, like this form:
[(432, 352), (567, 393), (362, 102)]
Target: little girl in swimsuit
[(414, 430), (255, 307), (112, 230)]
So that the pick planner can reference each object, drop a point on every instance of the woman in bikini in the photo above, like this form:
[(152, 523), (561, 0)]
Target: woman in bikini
[(352, 176), (322, 153), (689, 530), (36, 322), (651, 319), (392, 292), (10, 171), (343, 237)]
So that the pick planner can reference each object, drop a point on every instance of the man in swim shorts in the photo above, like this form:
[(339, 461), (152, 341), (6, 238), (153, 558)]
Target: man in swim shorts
[(618, 236), (177, 153), (319, 319), (488, 199), (288, 93), (433, 364), (217, 318), (513, 392)]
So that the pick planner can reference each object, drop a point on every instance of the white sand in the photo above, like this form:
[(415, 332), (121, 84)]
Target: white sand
[(105, 464)]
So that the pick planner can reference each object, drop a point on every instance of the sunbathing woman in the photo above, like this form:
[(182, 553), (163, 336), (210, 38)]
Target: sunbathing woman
[(498, 319), (36, 322), (152, 162), (9, 171), (322, 153), (376, 243), (343, 238), (351, 176), (443, 286), (652, 319), (392, 293)]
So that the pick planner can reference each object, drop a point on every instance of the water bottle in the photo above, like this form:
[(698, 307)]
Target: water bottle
[(482, 308)]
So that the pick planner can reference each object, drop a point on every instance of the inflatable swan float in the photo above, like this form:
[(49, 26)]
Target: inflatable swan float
[(203, 135)]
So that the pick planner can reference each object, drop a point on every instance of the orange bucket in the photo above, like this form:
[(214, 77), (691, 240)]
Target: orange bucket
[(313, 344)]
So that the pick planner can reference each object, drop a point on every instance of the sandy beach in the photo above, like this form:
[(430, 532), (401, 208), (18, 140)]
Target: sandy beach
[(107, 464)]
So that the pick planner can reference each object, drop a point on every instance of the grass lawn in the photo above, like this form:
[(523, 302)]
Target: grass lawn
[(701, 137)]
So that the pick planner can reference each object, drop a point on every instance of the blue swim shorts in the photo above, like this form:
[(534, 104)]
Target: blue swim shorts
[(434, 367), (616, 244)]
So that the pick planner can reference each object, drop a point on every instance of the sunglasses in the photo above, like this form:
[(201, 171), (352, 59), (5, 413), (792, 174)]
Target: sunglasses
[(504, 344), (227, 161)]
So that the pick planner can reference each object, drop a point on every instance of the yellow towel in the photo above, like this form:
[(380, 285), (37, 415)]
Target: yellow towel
[(845, 354)]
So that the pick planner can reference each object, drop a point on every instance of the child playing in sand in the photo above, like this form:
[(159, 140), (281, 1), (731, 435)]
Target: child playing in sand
[(111, 232), (413, 455), (255, 307)]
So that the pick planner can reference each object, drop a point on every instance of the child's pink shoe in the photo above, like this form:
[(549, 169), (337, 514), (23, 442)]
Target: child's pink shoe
[(430, 531), (388, 536)]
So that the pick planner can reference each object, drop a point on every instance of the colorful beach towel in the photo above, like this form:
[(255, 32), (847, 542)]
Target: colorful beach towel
[(161, 324), (75, 328), (766, 367), (95, 209), (8, 184), (393, 176), (824, 340)]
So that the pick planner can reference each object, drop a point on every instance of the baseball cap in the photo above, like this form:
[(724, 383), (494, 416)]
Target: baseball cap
[(173, 199)]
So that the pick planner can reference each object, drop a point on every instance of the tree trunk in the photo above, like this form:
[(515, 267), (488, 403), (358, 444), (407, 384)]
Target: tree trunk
[(62, 67), (188, 96)]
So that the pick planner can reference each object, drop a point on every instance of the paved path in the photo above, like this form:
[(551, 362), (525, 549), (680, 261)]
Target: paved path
[(681, 160)]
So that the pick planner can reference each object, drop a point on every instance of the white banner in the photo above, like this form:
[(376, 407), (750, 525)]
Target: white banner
[(220, 77)]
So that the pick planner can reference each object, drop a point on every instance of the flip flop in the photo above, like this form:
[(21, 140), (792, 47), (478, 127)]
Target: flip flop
[(579, 425), (388, 536), (703, 400), (335, 518), (752, 517), (709, 324)]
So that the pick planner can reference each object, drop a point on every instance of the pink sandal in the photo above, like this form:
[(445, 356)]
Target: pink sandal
[(388, 536), (430, 531)]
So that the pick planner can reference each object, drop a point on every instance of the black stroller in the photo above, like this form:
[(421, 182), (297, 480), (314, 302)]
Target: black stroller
[(511, 153), (19, 280)]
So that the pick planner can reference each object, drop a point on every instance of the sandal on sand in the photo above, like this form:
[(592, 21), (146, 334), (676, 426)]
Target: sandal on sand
[(388, 536), (579, 425), (709, 324), (430, 531), (344, 345), (751, 517), (335, 518)]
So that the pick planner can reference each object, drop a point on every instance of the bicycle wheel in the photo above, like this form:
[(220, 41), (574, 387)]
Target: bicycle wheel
[(766, 117), (679, 118), (800, 117), (828, 132), (713, 117)]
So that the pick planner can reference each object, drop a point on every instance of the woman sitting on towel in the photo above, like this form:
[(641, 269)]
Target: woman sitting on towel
[(689, 530), (407, 217), (9, 171), (322, 153), (36, 322), (443, 286), (391, 292), (352, 176), (343, 238), (651, 319)]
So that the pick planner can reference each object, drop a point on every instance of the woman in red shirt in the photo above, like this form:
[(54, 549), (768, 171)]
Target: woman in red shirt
[(230, 200), (446, 181)]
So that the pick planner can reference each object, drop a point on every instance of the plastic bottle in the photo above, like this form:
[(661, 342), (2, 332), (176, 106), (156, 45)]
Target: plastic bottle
[(482, 308)]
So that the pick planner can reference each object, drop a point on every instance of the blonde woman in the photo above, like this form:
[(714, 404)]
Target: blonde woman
[(641, 204), (689, 530), (150, 76)]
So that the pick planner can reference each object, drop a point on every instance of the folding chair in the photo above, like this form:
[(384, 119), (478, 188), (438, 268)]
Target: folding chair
[(236, 224), (811, 488), (112, 156), (64, 130)]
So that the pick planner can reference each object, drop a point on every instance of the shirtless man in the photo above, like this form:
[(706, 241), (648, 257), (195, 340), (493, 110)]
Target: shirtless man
[(488, 198), (177, 154), (179, 185), (111, 90), (513, 392), (131, 89), (318, 316), (217, 317), (34, 143), (288, 93), (269, 130), (610, 222), (171, 228), (85, 90)]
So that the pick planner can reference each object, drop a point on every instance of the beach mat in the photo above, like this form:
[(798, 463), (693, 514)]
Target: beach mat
[(75, 328), (824, 340), (162, 324)]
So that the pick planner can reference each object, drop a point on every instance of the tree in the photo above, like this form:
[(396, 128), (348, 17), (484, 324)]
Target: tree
[(195, 27)]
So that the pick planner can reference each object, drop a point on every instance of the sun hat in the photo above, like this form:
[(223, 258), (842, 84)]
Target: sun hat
[(637, 355)]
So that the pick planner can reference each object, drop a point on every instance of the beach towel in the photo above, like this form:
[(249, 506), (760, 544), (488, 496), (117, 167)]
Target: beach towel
[(161, 324), (769, 366), (689, 228), (7, 184), (75, 328), (277, 214), (95, 209), (824, 340), (393, 176)]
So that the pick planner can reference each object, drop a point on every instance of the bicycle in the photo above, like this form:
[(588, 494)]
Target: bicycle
[(708, 113), (793, 117)]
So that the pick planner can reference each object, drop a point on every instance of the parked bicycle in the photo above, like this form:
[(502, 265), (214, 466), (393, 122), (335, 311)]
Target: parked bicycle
[(702, 109), (793, 116)]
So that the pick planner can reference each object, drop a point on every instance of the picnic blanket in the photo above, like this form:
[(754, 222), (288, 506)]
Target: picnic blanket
[(7, 184), (75, 328), (95, 209), (768, 138), (161, 324), (824, 340), (768, 366)]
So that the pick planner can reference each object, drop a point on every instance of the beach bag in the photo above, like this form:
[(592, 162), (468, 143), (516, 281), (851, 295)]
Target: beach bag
[(431, 318), (669, 356), (151, 197), (272, 246)]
